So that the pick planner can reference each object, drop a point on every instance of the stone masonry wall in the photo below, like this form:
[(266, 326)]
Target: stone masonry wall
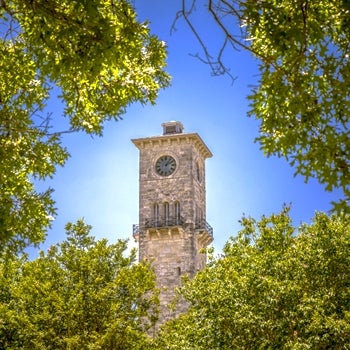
[(174, 251)]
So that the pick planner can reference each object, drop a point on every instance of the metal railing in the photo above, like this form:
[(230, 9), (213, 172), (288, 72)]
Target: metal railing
[(164, 222), (169, 222), (135, 230), (158, 223), (203, 225)]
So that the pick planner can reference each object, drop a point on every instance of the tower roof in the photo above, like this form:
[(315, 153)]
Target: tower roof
[(172, 132)]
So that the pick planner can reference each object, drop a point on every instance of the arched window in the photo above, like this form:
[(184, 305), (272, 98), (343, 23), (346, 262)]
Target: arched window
[(166, 213), (177, 213), (156, 214)]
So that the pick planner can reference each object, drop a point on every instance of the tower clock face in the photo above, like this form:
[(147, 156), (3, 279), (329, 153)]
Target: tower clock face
[(165, 165)]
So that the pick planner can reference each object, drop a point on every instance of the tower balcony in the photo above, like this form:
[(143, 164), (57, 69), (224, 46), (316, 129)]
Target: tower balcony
[(204, 233), (201, 227), (164, 222), (157, 223)]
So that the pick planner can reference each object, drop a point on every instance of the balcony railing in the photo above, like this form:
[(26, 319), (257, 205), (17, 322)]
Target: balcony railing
[(164, 222), (203, 225), (158, 223), (135, 230), (169, 222)]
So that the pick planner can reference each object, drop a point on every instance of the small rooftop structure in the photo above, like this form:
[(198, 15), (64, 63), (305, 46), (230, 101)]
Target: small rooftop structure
[(172, 127)]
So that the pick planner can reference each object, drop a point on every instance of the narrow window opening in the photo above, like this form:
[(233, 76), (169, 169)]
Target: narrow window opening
[(177, 213), (155, 214), (166, 213), (199, 217), (198, 171)]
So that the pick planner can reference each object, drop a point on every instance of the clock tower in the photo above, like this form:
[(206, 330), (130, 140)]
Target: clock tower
[(172, 229)]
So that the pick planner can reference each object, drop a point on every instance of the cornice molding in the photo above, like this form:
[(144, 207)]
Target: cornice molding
[(193, 138)]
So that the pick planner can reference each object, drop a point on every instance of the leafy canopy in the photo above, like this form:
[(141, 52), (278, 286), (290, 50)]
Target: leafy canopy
[(275, 287), (302, 95), (98, 58), (81, 294)]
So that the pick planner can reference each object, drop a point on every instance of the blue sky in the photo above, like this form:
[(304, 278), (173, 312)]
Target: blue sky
[(100, 180)]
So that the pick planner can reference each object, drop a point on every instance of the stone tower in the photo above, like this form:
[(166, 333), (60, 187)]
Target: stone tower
[(172, 227)]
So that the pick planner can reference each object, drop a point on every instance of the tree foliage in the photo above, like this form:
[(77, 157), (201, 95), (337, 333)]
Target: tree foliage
[(273, 288), (98, 58), (302, 95), (81, 294)]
